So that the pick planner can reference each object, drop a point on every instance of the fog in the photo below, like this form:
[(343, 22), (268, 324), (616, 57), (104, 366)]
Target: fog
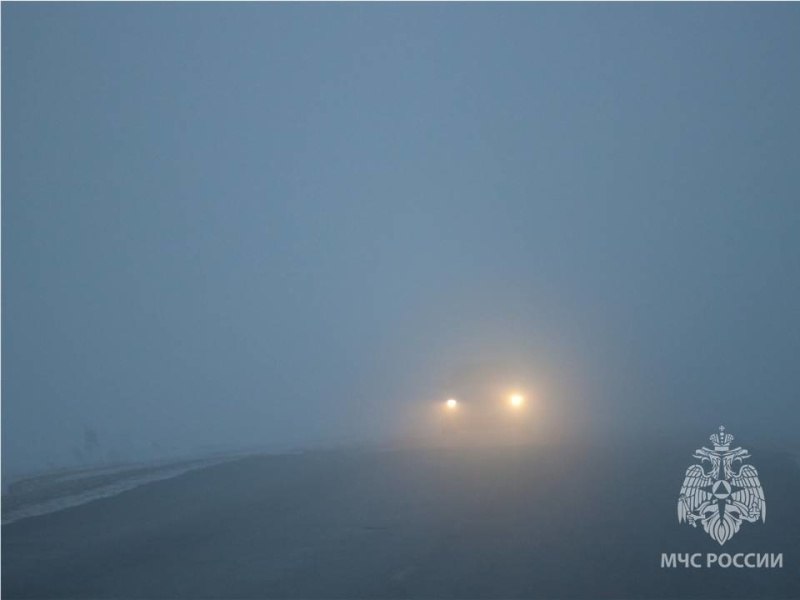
[(274, 226)]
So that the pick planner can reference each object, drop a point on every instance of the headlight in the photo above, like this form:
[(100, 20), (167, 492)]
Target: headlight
[(451, 404), (516, 400)]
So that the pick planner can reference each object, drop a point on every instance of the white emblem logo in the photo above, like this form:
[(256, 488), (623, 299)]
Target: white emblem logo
[(721, 498)]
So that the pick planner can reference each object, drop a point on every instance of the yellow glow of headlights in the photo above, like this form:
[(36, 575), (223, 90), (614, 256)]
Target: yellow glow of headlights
[(451, 403), (517, 400)]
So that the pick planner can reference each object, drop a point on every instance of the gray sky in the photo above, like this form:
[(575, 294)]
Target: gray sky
[(270, 223)]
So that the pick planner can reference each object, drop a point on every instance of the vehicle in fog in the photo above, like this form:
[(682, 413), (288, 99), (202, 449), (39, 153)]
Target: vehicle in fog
[(486, 403)]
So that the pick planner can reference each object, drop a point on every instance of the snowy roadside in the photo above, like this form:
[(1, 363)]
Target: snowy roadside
[(41, 495)]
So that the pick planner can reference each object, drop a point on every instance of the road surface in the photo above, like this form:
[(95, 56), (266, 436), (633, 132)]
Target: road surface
[(414, 523)]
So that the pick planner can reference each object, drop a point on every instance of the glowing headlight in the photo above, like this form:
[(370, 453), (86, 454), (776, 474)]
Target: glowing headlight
[(451, 403), (516, 400)]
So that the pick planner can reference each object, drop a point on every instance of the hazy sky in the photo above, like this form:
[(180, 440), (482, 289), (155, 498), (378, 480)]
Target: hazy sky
[(270, 223)]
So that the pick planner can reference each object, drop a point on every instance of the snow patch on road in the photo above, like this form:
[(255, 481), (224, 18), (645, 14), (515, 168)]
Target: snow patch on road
[(124, 484)]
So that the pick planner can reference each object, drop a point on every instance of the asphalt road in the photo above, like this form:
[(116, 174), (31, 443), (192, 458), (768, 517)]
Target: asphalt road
[(422, 523)]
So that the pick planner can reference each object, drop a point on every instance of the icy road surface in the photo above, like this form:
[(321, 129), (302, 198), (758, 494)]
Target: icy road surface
[(422, 523)]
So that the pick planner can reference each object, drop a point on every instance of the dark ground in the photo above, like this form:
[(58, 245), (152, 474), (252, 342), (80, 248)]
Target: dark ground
[(432, 523)]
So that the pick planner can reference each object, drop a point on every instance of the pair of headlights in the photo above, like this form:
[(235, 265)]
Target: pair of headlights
[(514, 400)]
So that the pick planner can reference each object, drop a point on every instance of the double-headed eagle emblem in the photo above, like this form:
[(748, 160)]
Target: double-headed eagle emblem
[(721, 498)]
